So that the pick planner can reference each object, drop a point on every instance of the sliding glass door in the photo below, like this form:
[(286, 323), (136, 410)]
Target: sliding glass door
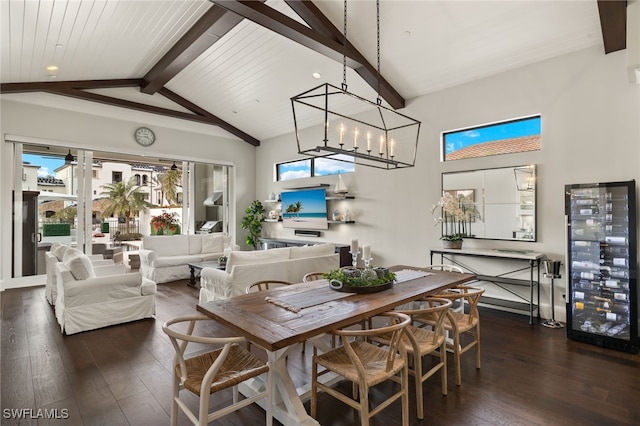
[(87, 198)]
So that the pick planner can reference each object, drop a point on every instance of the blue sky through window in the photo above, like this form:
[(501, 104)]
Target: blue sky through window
[(456, 140), (47, 164)]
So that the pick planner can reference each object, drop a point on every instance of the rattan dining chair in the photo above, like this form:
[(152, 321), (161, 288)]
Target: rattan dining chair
[(365, 365), (419, 342), (203, 374), (312, 276), (461, 323), (446, 267)]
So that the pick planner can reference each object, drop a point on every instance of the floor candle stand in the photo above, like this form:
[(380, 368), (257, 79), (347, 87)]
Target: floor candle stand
[(552, 271)]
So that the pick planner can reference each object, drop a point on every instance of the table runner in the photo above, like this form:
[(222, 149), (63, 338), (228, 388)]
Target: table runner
[(298, 301)]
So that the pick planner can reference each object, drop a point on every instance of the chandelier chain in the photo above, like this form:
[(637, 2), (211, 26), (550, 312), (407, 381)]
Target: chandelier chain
[(378, 100), (344, 48)]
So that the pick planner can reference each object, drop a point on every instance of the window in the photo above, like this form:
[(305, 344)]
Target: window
[(517, 135), (326, 166), (116, 177), (136, 178), (145, 179), (95, 174)]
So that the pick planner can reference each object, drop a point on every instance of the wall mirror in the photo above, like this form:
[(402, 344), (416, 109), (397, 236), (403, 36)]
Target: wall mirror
[(505, 198)]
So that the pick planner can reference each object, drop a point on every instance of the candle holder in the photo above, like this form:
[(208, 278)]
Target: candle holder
[(354, 259), (368, 269)]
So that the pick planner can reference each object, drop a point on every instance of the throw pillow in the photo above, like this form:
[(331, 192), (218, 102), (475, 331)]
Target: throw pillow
[(80, 266), (260, 256), (58, 250), (312, 251), (212, 244)]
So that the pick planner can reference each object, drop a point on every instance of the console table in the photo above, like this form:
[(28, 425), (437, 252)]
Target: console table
[(341, 249), (504, 279)]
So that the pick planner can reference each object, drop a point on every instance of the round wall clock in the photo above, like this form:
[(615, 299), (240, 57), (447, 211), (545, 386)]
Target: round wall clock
[(144, 136)]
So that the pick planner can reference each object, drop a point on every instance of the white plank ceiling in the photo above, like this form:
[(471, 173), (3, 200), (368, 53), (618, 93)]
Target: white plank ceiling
[(248, 77)]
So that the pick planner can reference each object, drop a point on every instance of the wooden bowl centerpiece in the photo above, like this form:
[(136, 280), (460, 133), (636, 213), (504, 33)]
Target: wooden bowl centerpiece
[(360, 280)]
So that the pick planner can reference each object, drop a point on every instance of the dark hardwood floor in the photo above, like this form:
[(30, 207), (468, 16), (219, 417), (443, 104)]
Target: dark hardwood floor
[(119, 375)]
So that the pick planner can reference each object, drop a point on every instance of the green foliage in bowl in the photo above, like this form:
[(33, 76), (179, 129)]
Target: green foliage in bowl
[(351, 278)]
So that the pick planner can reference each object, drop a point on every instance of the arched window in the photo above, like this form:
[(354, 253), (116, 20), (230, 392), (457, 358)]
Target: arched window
[(145, 179), (137, 178)]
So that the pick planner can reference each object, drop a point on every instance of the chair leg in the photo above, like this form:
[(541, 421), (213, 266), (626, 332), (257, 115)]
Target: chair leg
[(314, 388), (405, 395), (364, 405), (174, 403), (443, 369), (456, 358), (417, 369), (478, 346)]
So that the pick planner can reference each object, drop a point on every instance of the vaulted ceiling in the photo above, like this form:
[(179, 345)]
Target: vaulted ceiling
[(236, 64)]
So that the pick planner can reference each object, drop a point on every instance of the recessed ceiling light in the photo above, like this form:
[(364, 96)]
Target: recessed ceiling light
[(52, 68), (407, 33), (58, 44), (316, 75)]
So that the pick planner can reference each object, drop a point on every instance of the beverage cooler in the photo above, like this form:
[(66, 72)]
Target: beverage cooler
[(602, 302)]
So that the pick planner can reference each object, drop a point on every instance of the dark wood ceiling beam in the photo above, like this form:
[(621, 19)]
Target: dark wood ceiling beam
[(613, 21), (108, 100), (310, 13), (316, 40), (215, 23), (78, 84), (204, 113)]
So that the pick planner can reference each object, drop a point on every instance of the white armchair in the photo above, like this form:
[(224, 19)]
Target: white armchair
[(91, 297), (55, 255)]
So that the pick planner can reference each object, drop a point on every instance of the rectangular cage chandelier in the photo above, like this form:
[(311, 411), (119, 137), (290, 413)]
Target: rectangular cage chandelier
[(353, 129)]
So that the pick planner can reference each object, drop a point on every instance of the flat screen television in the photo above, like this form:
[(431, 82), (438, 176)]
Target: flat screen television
[(305, 209)]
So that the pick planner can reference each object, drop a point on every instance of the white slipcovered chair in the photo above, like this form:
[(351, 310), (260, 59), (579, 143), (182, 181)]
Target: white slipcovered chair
[(91, 297), (55, 255)]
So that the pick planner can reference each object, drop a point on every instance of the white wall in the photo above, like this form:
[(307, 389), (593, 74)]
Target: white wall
[(590, 133), (111, 129)]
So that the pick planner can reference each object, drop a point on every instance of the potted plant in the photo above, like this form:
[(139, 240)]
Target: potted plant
[(457, 215), (166, 223), (252, 223)]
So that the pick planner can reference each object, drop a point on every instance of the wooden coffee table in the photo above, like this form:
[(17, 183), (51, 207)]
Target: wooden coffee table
[(197, 266)]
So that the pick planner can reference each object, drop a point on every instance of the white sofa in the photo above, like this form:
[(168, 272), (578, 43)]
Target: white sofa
[(164, 258), (90, 298), (56, 254), (245, 268)]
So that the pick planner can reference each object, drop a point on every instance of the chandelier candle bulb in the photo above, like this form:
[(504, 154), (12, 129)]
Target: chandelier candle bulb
[(355, 138), (391, 148), (341, 134), (381, 144), (368, 141)]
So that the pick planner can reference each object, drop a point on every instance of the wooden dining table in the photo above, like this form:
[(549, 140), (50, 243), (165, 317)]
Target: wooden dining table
[(279, 318)]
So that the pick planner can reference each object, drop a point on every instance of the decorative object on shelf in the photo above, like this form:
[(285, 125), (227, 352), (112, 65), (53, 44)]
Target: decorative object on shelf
[(340, 187), (359, 281), (336, 215), (452, 244), (458, 212), (272, 196), (222, 261), (274, 215), (377, 137), (348, 217), (252, 223)]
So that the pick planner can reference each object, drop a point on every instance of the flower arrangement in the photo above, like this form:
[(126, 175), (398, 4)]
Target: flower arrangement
[(457, 215), (165, 221)]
